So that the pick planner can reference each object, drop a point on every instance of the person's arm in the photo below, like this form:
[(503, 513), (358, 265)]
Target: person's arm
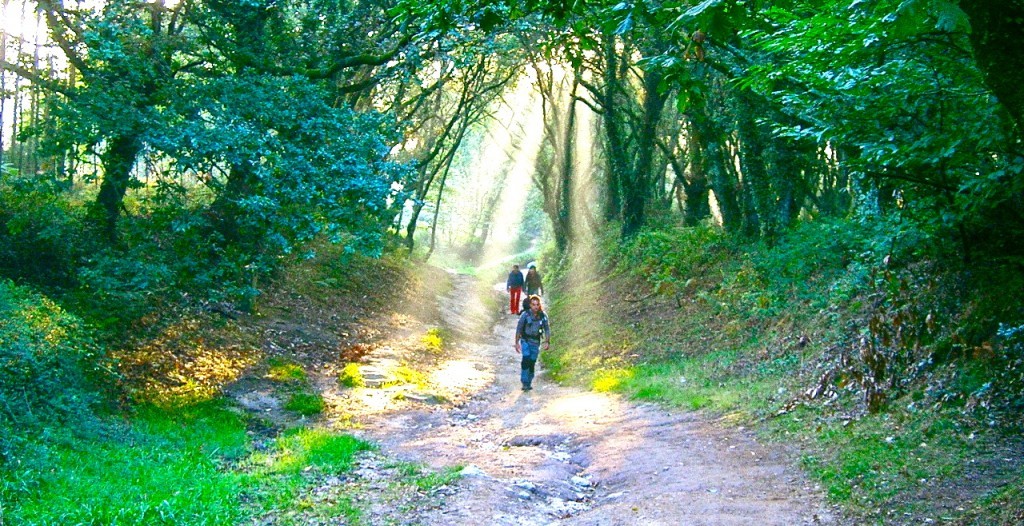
[(547, 333), (519, 333)]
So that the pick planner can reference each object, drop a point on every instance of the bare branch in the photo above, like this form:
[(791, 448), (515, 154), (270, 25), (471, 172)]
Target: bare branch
[(58, 22)]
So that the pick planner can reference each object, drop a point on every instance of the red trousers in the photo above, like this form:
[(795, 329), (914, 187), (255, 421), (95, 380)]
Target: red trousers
[(516, 300)]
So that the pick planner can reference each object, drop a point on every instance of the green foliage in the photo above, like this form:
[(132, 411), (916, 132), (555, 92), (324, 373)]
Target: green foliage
[(41, 232), (998, 376), (434, 339), (248, 162), (895, 87), (297, 449), (306, 404), (351, 376), (671, 259), (282, 370), (165, 468), (322, 170), (48, 366)]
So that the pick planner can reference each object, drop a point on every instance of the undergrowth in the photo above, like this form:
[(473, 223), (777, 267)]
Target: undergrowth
[(895, 368), (190, 465), (142, 435)]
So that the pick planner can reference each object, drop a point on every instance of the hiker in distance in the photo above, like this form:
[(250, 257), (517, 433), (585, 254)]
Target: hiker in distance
[(514, 286), (532, 327), (534, 285)]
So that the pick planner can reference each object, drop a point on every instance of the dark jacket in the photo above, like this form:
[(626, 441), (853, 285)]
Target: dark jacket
[(515, 279), (533, 282)]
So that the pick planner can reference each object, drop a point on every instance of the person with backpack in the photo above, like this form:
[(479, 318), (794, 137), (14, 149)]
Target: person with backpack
[(534, 285), (533, 327), (514, 286)]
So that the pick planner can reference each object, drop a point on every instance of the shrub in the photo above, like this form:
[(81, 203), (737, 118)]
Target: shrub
[(285, 371), (351, 376), (47, 359), (305, 404), (41, 235), (669, 259), (433, 340)]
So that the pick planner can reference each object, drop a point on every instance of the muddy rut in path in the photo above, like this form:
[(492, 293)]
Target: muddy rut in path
[(565, 456)]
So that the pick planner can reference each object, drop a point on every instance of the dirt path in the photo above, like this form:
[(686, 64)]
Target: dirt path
[(560, 455)]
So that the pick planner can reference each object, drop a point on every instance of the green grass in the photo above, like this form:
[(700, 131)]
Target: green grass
[(306, 404), (700, 381), (282, 370), (406, 375), (876, 459), (424, 480), (162, 469), (1003, 507), (188, 465), (304, 447), (743, 329), (351, 376), (433, 480)]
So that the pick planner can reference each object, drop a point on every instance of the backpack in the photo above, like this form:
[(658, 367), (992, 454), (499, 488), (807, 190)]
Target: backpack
[(535, 325)]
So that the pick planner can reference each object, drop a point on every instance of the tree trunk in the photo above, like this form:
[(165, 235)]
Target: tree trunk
[(756, 178), (410, 229), (616, 151), (118, 161), (713, 142), (437, 211), (225, 207), (637, 189), (565, 200), (695, 184), (997, 30)]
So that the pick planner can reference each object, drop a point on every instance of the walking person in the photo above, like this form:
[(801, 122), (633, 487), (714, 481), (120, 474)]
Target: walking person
[(514, 286), (533, 327), (534, 285)]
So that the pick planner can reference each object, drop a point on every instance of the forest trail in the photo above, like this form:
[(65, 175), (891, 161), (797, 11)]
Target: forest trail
[(560, 455)]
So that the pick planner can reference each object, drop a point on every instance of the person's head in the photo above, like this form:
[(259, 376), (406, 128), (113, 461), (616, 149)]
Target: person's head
[(533, 267), (515, 267), (535, 305)]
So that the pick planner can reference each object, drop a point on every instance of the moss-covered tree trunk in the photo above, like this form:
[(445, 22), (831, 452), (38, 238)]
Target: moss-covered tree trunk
[(613, 132), (118, 160), (997, 35), (715, 157), (225, 207), (637, 189), (697, 206)]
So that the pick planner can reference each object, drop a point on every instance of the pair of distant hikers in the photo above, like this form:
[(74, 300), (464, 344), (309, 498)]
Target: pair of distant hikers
[(514, 285), (533, 323)]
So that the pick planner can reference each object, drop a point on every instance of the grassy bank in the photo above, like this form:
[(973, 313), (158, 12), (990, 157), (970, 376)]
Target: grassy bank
[(142, 434), (188, 465), (894, 370)]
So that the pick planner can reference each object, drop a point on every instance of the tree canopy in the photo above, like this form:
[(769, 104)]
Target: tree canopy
[(252, 128)]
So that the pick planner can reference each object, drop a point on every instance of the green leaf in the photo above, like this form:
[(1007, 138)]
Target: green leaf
[(625, 26)]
